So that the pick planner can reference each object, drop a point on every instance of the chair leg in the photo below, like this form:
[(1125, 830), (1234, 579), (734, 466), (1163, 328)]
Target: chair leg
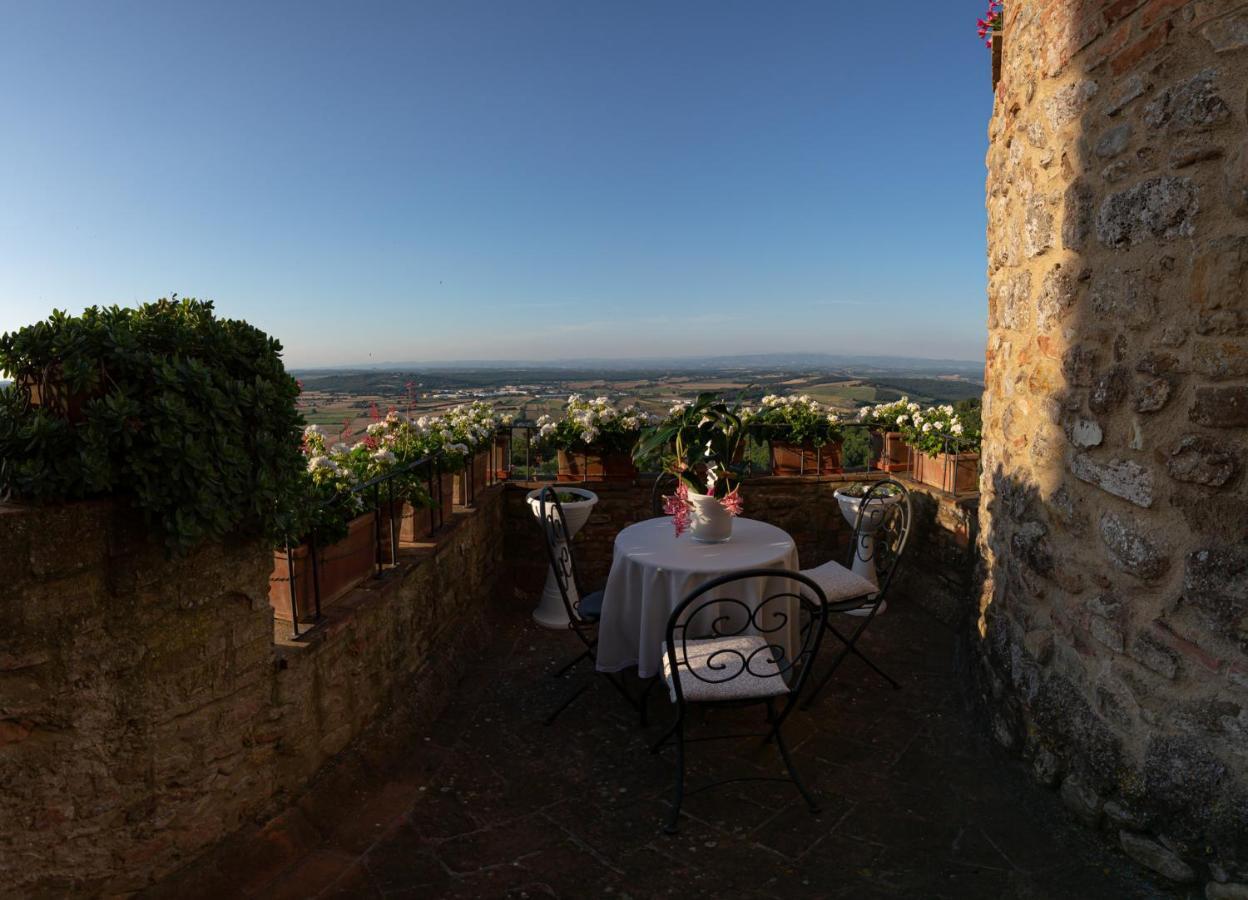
[(569, 666), (643, 700), (672, 826), (788, 764), (550, 720), (658, 745)]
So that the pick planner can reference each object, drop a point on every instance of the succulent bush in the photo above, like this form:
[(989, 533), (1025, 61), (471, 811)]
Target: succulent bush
[(189, 417)]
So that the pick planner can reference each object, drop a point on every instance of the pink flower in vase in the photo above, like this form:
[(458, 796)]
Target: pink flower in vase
[(677, 506), (732, 503)]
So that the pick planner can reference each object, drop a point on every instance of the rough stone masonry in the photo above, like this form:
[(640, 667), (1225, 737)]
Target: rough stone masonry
[(1114, 515)]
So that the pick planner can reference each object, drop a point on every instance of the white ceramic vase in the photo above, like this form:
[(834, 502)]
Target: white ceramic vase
[(550, 611), (709, 522)]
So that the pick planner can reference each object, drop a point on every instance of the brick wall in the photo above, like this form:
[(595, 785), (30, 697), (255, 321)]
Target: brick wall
[(147, 711), (937, 573), (1114, 518)]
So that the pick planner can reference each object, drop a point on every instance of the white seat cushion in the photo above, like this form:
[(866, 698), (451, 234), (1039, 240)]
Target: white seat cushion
[(725, 668), (839, 583)]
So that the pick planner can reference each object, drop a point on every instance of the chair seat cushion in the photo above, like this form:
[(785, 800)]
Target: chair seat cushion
[(591, 606), (839, 583), (725, 668)]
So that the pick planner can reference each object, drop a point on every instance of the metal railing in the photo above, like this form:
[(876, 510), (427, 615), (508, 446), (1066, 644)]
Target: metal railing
[(373, 489), (522, 459)]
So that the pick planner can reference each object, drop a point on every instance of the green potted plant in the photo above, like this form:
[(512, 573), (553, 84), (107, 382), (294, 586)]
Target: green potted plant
[(594, 439), (335, 520), (699, 444), (187, 418), (946, 449), (886, 420), (804, 435)]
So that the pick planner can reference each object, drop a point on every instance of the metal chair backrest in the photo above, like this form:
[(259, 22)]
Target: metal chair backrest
[(663, 485), (559, 550), (712, 612), (889, 522)]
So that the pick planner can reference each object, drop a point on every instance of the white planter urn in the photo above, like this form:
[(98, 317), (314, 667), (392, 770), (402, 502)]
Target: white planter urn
[(864, 553), (550, 612), (709, 522)]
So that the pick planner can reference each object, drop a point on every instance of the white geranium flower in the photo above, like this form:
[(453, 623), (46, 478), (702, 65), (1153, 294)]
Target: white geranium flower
[(927, 426), (589, 435), (383, 456), (316, 430), (376, 428), (956, 428), (547, 430), (901, 420), (322, 464)]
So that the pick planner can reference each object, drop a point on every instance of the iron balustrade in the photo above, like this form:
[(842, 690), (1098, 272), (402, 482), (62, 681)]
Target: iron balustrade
[(756, 445), (432, 469)]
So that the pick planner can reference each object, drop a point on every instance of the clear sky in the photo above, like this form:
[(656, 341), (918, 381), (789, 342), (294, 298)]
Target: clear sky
[(510, 179)]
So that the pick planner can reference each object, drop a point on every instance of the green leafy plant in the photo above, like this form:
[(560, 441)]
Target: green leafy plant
[(189, 417), (596, 423), (795, 420), (939, 429)]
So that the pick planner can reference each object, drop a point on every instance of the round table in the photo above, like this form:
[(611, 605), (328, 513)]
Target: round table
[(653, 570)]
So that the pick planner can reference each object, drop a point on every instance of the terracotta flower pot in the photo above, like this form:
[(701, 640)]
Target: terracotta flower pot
[(594, 465), (470, 481), (954, 473), (51, 393), (501, 458), (894, 453), (805, 459), (340, 566)]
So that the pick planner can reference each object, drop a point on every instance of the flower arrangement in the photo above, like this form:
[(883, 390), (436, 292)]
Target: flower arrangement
[(698, 443), (938, 429), (990, 24), (596, 423), (796, 420), (888, 416)]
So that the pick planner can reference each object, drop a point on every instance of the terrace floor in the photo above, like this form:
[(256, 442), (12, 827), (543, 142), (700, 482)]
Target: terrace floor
[(491, 803)]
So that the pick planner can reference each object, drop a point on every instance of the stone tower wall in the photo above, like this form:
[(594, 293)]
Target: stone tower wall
[(1114, 516)]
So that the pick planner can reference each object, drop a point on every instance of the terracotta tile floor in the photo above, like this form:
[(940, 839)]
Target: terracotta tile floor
[(491, 803)]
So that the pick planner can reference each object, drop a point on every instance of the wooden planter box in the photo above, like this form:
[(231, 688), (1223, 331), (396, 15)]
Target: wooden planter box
[(894, 453), (471, 481), (954, 473), (804, 459), (594, 465), (340, 566)]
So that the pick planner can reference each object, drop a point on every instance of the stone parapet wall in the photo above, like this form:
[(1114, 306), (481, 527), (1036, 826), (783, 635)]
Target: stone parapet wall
[(937, 573), (147, 711), (1114, 516)]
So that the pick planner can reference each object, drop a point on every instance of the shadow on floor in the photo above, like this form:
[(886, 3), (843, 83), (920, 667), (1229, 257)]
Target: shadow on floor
[(490, 803)]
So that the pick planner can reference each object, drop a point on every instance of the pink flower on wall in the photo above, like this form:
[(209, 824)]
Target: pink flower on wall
[(990, 24)]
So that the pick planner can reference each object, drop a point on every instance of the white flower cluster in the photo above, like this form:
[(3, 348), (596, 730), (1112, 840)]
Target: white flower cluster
[(589, 418), (889, 415)]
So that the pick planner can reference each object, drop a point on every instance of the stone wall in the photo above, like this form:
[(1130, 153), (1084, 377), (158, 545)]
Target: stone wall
[(1114, 521), (147, 711), (937, 573)]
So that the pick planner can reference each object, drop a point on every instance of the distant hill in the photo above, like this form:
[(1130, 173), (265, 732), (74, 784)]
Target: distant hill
[(857, 364)]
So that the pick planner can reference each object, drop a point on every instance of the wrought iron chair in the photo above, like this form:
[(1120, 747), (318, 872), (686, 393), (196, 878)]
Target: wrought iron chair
[(722, 650), (881, 531), (664, 484), (583, 609)]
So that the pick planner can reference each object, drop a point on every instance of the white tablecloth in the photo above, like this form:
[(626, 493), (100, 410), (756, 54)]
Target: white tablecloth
[(653, 570)]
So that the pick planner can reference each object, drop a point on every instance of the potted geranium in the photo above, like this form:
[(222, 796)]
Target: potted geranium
[(804, 435), (886, 421), (416, 439), (594, 439), (946, 451), (698, 444), (471, 425), (335, 520)]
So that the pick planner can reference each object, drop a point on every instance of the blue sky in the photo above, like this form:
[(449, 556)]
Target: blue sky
[(512, 179)]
